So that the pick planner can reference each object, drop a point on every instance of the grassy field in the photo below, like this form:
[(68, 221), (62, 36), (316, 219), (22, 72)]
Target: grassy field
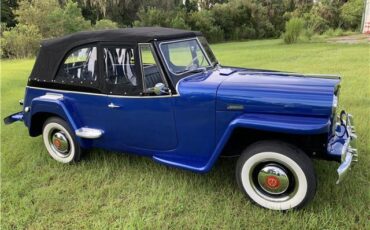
[(109, 190)]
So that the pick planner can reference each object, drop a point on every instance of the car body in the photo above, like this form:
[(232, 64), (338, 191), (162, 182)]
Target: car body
[(161, 93)]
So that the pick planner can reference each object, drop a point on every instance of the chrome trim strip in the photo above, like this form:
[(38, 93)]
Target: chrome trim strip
[(52, 96), (293, 74), (98, 94), (89, 133)]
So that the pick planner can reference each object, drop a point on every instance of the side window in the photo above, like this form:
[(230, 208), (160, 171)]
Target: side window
[(152, 73), (80, 66), (119, 70)]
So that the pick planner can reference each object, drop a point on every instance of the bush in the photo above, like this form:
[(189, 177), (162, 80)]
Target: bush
[(204, 22), (315, 22), (36, 12), (21, 41), (105, 24), (351, 14), (243, 32), (152, 17), (293, 28), (179, 21), (308, 33), (334, 32), (50, 19), (69, 19)]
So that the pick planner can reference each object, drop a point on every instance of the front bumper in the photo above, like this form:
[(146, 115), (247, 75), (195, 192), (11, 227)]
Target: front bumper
[(343, 144)]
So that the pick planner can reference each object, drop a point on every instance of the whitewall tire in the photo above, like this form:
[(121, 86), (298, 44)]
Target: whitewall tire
[(276, 175), (60, 141)]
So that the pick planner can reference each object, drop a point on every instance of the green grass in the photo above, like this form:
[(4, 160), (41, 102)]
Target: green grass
[(108, 190)]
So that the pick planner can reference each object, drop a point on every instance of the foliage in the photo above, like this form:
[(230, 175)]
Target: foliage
[(50, 19), (179, 21), (21, 41), (334, 32), (67, 20), (36, 13), (293, 29), (153, 17), (105, 24), (203, 21), (7, 14), (41, 19), (351, 14)]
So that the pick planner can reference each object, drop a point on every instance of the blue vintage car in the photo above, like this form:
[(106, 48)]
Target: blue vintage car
[(161, 93)]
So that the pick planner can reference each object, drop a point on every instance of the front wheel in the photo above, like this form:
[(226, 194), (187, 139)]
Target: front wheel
[(60, 141), (276, 175)]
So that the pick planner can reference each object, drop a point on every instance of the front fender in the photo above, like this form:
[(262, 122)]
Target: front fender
[(271, 123)]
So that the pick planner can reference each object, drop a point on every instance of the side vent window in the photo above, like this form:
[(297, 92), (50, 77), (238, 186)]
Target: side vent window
[(80, 67)]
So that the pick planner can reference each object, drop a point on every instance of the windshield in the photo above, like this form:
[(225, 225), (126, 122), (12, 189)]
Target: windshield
[(184, 56)]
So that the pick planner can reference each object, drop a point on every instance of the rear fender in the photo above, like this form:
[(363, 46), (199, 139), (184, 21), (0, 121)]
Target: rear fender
[(55, 105)]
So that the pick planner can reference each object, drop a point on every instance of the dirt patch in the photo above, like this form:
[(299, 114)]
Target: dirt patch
[(351, 39)]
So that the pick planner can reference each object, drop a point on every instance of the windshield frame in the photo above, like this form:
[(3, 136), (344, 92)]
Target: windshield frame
[(182, 40)]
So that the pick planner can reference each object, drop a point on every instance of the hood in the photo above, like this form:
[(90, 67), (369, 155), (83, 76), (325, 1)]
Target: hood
[(277, 93)]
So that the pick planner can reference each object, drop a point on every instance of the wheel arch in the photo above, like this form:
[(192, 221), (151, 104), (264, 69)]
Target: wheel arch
[(314, 145), (44, 108), (37, 121)]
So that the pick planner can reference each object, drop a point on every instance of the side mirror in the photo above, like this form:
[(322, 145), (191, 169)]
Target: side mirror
[(160, 89)]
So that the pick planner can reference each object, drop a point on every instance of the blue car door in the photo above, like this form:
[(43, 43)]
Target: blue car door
[(137, 120)]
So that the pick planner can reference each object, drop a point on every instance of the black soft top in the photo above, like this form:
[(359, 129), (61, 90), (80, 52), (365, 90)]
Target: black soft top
[(126, 35), (52, 51)]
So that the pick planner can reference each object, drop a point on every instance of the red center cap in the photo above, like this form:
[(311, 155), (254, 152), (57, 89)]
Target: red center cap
[(272, 182), (57, 143)]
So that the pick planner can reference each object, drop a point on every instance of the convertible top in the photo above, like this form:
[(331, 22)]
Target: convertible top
[(126, 35), (53, 51)]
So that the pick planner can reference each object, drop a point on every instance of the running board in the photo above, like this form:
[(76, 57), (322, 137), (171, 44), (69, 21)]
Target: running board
[(89, 133)]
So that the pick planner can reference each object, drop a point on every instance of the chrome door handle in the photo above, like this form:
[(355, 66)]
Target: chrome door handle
[(111, 105)]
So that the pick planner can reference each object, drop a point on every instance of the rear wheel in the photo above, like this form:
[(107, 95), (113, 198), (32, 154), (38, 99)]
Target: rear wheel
[(276, 175), (60, 141)]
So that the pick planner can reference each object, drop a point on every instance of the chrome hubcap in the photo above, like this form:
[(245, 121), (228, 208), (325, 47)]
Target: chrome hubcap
[(59, 143), (273, 179)]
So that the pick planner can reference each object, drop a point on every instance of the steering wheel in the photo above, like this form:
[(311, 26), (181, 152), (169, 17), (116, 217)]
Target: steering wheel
[(191, 64)]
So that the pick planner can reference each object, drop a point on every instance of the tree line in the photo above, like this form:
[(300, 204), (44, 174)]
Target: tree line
[(26, 22)]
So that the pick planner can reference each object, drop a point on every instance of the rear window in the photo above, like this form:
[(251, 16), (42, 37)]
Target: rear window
[(80, 66)]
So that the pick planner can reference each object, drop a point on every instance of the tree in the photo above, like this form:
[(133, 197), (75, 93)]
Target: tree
[(7, 15), (351, 14), (36, 13), (50, 19)]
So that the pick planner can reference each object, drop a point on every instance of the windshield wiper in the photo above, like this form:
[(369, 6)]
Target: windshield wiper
[(197, 70)]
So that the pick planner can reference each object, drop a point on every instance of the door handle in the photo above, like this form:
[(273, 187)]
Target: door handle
[(112, 105)]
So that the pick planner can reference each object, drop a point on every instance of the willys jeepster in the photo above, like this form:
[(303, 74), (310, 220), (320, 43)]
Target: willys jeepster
[(161, 93)]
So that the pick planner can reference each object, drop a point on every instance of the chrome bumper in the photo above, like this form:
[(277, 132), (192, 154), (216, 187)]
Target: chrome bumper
[(344, 144)]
